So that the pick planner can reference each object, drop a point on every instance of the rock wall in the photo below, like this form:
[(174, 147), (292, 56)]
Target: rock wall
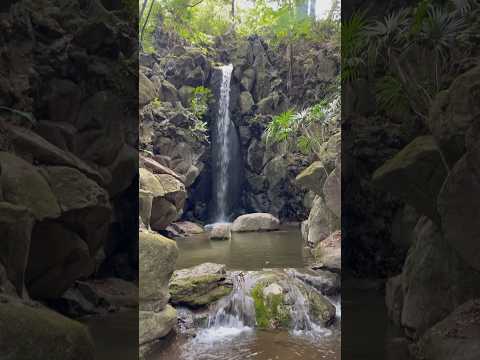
[(437, 175), (68, 164)]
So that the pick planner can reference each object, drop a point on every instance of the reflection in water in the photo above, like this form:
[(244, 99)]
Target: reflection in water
[(115, 335), (245, 251)]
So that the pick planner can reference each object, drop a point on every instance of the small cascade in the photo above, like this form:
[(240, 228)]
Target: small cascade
[(235, 314)]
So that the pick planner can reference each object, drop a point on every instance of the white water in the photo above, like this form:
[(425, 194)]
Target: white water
[(223, 129), (235, 314)]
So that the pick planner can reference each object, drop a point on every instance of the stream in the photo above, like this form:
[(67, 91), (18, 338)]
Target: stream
[(231, 334)]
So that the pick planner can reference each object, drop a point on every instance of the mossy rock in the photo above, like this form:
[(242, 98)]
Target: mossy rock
[(271, 312), (29, 332)]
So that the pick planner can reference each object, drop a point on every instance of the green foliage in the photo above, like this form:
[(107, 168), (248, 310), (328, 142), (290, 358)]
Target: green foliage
[(391, 95), (156, 103), (354, 42), (20, 114), (306, 130), (200, 101)]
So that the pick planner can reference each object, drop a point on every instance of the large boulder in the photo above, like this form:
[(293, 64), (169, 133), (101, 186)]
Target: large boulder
[(154, 325), (200, 285), (255, 222), (156, 264), (16, 223), (313, 177), (415, 174), (455, 337), (394, 299), (58, 257), (146, 90), (453, 112), (332, 191), (34, 332), (23, 185), (434, 280), (320, 224), (328, 253), (220, 231), (246, 102), (459, 208)]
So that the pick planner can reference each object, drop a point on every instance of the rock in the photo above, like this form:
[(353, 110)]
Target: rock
[(200, 285), (255, 222), (34, 332), (145, 199), (332, 191), (23, 185), (321, 309), (168, 92), (246, 102), (313, 177), (185, 228), (16, 223), (248, 79), (84, 204), (155, 325), (123, 170), (404, 222), (58, 257), (186, 95), (156, 167), (394, 299), (64, 101), (272, 290), (156, 264), (453, 111), (146, 90), (43, 152), (326, 282), (59, 133), (174, 190), (415, 174), (195, 77), (455, 337), (328, 252), (321, 222), (430, 270), (269, 104), (459, 210), (220, 231)]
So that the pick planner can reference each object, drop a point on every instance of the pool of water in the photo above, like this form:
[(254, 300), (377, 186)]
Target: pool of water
[(248, 251), (245, 251), (115, 335)]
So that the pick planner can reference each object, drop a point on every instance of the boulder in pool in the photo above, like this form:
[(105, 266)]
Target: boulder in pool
[(220, 231), (255, 222), (200, 285)]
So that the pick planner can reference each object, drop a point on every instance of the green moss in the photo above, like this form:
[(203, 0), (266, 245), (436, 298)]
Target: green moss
[(270, 312)]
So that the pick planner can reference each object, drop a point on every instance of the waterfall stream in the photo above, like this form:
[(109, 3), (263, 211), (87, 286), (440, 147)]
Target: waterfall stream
[(225, 153)]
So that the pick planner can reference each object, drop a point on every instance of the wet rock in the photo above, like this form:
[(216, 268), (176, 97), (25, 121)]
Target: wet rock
[(328, 283), (255, 222), (185, 228), (200, 285), (50, 335), (220, 231)]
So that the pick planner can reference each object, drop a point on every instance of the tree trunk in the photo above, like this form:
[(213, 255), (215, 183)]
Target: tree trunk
[(144, 5), (142, 33)]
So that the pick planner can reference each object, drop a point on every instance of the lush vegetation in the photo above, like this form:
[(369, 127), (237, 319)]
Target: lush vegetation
[(199, 21), (410, 53)]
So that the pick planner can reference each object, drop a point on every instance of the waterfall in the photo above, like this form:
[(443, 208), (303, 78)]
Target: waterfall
[(235, 313), (225, 153)]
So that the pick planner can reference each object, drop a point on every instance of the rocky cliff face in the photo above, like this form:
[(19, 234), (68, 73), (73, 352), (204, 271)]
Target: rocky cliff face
[(437, 175), (67, 161), (258, 92)]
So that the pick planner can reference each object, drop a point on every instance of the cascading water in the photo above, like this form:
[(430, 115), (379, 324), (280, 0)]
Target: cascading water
[(225, 154), (235, 314)]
